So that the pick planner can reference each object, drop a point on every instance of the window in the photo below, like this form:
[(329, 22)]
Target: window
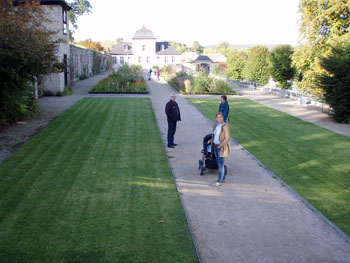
[(65, 24), (126, 48), (129, 58), (158, 58), (114, 59), (165, 59), (173, 59), (143, 47), (139, 60), (122, 60), (148, 60)]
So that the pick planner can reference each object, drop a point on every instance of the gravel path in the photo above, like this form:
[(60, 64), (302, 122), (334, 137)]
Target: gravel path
[(253, 217)]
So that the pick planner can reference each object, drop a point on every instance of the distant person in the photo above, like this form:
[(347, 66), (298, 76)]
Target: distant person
[(221, 145), (157, 73), (172, 112), (150, 74), (224, 107)]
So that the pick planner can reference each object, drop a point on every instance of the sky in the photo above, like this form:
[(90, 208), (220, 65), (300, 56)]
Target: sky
[(185, 21)]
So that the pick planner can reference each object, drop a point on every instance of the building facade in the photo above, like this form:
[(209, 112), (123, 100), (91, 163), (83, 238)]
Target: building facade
[(57, 13), (145, 51)]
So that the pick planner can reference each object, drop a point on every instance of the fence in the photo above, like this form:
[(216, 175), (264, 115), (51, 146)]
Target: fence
[(303, 98)]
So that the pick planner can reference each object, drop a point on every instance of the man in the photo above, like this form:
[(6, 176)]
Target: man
[(172, 112)]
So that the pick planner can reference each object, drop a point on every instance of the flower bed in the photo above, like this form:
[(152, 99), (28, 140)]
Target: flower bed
[(126, 80)]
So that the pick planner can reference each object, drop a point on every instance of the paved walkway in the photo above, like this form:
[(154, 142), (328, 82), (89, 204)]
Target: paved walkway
[(253, 217)]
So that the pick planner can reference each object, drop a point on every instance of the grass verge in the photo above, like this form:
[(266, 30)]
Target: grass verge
[(312, 160), (93, 186)]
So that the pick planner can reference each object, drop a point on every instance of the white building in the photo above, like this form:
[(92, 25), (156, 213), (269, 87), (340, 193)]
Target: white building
[(145, 51)]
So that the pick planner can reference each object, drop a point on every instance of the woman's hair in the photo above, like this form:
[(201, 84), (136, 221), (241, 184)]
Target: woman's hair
[(224, 97), (219, 113)]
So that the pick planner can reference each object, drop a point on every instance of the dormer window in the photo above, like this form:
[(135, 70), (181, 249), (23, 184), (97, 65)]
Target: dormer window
[(126, 48), (162, 47), (65, 23), (143, 47)]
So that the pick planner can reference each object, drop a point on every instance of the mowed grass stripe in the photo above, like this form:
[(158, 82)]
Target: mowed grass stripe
[(98, 195), (312, 160)]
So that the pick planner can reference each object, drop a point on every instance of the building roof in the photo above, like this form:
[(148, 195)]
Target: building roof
[(143, 33), (204, 59), (164, 48), (123, 48), (62, 3), (215, 56)]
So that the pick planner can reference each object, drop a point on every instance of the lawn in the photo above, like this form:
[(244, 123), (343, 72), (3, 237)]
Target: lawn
[(93, 186), (312, 160)]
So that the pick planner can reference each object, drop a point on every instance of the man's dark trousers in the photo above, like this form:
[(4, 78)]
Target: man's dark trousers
[(171, 132)]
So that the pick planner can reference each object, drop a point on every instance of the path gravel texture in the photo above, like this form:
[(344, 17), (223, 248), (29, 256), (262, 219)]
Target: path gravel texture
[(253, 217)]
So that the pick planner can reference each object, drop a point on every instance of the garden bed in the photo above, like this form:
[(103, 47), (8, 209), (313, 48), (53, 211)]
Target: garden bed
[(127, 80)]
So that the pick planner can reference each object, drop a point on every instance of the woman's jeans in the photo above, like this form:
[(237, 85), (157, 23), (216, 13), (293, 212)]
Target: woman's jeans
[(220, 162)]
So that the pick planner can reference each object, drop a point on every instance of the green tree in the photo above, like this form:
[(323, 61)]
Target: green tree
[(281, 67), (335, 80), (180, 47), (23, 59), (196, 47), (235, 64), (79, 7), (119, 40), (323, 23), (225, 48), (257, 67)]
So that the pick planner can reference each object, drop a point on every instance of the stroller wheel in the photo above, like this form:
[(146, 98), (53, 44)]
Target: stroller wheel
[(225, 168), (200, 163), (201, 167), (201, 170)]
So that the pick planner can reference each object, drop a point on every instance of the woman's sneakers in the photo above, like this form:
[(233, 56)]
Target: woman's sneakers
[(216, 184)]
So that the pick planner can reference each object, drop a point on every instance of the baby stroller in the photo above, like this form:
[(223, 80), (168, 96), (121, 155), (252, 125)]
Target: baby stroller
[(208, 156)]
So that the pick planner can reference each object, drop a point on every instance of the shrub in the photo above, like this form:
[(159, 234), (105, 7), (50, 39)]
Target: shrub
[(335, 81), (16, 100), (59, 94)]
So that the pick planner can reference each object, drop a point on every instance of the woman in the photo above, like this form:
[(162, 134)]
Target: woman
[(224, 107), (221, 145)]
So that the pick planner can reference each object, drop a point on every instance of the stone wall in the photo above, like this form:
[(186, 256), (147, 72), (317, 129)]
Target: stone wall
[(84, 63)]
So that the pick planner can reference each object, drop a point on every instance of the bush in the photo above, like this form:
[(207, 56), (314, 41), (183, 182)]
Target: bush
[(16, 100), (335, 81)]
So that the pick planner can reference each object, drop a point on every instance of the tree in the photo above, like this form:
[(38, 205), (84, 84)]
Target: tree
[(257, 68), (92, 45), (323, 22), (235, 64), (281, 68), (119, 40), (79, 7), (335, 80), (26, 58), (179, 46), (225, 48), (196, 47)]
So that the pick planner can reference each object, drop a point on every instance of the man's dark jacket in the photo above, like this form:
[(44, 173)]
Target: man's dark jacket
[(172, 111)]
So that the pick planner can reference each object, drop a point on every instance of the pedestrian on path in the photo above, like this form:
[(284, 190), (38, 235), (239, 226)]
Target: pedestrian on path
[(224, 108), (157, 73), (221, 145), (150, 74), (172, 112)]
